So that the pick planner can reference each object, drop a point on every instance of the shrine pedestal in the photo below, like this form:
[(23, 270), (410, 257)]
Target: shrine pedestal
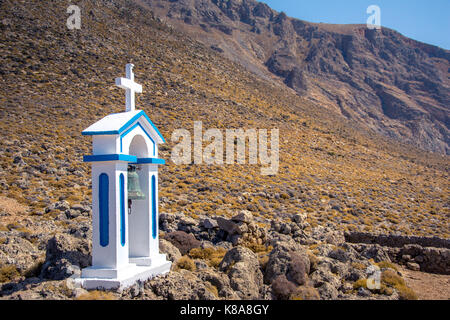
[(99, 278)]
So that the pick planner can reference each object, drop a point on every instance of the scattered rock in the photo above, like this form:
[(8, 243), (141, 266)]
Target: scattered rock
[(183, 241), (413, 266), (231, 227), (209, 223), (78, 292), (244, 216)]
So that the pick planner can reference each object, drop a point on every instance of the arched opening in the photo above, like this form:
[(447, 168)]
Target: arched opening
[(138, 227), (138, 147)]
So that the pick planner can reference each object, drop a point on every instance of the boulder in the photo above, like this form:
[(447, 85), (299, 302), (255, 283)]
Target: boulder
[(209, 223), (244, 216), (290, 260), (183, 241), (172, 252), (413, 266), (375, 252), (220, 281), (232, 227), (242, 267), (62, 205), (65, 256), (182, 285), (18, 251), (299, 218), (79, 207), (340, 255)]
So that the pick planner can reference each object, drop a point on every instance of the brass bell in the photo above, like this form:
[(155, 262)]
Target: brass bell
[(134, 188)]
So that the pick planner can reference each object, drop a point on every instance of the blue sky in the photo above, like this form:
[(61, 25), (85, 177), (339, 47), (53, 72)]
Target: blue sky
[(424, 20)]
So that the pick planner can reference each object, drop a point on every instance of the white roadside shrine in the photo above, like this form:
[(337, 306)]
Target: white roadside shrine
[(125, 242)]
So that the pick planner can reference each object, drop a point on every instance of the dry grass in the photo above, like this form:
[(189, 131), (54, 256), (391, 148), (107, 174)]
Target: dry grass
[(8, 273), (258, 248), (13, 211), (305, 293), (11, 206), (35, 269), (185, 263), (358, 265), (212, 289), (392, 279), (97, 295), (386, 265), (212, 256), (360, 283)]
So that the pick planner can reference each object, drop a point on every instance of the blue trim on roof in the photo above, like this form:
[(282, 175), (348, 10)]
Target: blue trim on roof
[(109, 157), (154, 127), (131, 129), (140, 114), (98, 133), (151, 160)]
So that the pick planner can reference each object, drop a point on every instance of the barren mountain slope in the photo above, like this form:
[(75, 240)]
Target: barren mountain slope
[(383, 80), (56, 82)]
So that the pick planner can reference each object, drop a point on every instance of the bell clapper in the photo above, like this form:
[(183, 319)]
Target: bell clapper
[(130, 202)]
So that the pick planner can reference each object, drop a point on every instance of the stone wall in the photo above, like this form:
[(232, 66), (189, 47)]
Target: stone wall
[(395, 241), (416, 253)]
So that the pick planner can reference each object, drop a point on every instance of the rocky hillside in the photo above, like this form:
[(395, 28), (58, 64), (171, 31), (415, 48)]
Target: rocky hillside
[(389, 83), (56, 82)]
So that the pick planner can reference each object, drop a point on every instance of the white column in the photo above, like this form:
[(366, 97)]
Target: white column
[(114, 255)]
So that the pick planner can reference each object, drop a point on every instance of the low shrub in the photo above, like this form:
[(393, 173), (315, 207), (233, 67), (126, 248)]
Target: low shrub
[(305, 293), (185, 263), (298, 269), (283, 288), (97, 295), (386, 265), (212, 256), (8, 273), (361, 283), (390, 278), (34, 270)]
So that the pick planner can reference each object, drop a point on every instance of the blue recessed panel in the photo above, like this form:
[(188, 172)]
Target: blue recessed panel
[(154, 220), (103, 199), (122, 209)]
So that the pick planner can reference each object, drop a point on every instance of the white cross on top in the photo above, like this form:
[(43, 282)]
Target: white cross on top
[(130, 86)]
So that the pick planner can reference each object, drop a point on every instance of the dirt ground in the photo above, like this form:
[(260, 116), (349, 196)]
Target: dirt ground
[(427, 286)]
